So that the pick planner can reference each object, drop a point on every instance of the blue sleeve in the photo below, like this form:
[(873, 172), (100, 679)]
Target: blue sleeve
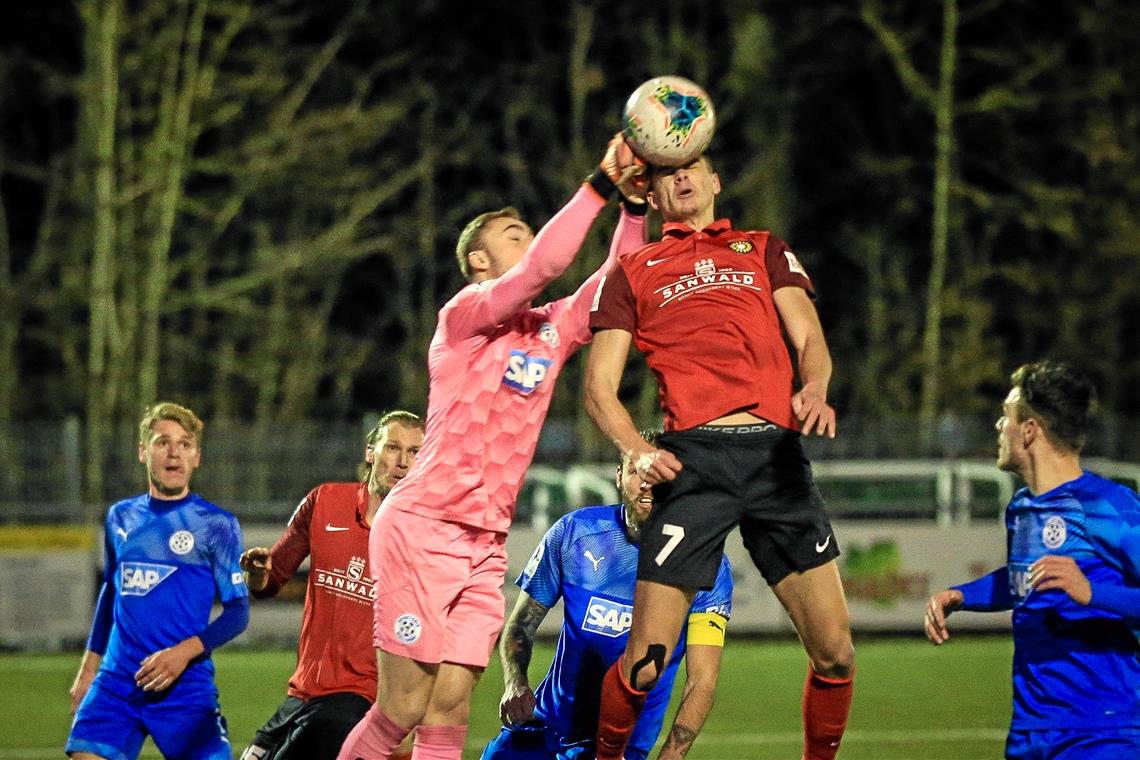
[(232, 621), (542, 576), (1124, 600), (226, 548), (102, 620), (718, 599), (104, 615), (990, 593)]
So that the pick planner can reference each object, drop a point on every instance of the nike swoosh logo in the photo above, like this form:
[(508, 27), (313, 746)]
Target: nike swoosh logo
[(655, 262), (333, 528), (820, 547)]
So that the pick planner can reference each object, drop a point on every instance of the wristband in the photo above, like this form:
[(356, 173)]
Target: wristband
[(633, 208), (602, 184)]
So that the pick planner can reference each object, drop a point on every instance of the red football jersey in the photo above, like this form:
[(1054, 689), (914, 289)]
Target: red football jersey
[(335, 651), (699, 305)]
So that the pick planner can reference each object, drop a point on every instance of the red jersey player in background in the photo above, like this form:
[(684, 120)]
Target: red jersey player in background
[(335, 681), (709, 306), (438, 548)]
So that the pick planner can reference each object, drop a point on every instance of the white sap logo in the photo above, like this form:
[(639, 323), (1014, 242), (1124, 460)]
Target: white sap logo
[(140, 578), (1019, 587), (525, 372), (607, 618)]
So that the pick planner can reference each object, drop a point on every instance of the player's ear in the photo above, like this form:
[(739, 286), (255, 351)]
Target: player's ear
[(716, 183), (478, 260), (1030, 429), (369, 455), (651, 199), (142, 452)]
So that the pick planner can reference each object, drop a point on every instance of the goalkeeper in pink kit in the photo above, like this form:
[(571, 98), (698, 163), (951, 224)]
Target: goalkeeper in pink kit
[(438, 545)]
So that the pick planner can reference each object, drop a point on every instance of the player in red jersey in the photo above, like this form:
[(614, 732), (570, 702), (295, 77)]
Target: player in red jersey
[(708, 307), (335, 680), (438, 547)]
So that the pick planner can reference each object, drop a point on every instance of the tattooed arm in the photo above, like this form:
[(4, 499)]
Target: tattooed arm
[(702, 667), (515, 647)]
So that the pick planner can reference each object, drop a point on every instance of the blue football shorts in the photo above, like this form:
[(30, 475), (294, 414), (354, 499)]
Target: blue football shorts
[(1086, 744), (185, 725), (539, 742)]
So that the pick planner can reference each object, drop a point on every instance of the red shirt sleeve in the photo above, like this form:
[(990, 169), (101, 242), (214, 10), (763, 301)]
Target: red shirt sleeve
[(615, 309), (784, 269), (291, 548)]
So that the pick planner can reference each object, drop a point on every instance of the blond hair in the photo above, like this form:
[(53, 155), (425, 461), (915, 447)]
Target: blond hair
[(168, 410), (471, 237), (380, 432)]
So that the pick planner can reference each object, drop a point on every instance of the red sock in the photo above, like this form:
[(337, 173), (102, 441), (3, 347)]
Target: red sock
[(620, 708), (439, 743), (827, 702), (374, 737)]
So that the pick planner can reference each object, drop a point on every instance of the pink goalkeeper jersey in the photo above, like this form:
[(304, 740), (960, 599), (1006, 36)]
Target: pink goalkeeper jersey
[(492, 365)]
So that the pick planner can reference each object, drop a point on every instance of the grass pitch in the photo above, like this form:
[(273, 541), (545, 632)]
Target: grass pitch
[(911, 700)]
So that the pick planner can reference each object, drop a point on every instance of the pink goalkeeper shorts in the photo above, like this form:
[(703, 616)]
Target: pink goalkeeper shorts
[(439, 588)]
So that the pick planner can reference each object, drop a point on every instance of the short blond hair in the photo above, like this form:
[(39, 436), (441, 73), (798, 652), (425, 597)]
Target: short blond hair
[(168, 410), (471, 237)]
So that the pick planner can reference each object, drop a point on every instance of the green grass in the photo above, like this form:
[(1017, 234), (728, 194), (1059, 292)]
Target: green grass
[(911, 700)]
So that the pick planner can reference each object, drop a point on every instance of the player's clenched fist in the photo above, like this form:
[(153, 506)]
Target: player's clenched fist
[(256, 563), (517, 706)]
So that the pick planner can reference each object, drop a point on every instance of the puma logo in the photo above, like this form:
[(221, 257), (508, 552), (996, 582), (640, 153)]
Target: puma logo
[(589, 555)]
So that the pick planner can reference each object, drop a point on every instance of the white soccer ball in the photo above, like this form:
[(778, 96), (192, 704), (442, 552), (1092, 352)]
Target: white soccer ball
[(669, 121)]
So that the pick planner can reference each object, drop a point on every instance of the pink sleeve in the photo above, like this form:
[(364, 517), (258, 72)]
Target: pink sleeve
[(552, 251), (629, 236)]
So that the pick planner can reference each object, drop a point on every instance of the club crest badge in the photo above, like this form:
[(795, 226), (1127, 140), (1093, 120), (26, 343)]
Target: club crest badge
[(548, 334), (741, 246), (1054, 532), (408, 628), (182, 542)]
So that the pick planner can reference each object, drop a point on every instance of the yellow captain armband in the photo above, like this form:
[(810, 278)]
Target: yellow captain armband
[(707, 628)]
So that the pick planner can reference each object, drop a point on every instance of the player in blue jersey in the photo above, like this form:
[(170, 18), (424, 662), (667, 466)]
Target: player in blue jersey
[(589, 560), (1072, 580), (169, 554)]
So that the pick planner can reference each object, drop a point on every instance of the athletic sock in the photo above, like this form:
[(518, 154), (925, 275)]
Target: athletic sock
[(826, 704), (439, 743), (373, 738), (621, 705)]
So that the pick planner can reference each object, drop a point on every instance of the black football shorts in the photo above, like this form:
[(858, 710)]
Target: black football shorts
[(754, 476)]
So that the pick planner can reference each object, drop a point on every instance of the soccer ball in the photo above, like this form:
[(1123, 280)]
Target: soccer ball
[(669, 121)]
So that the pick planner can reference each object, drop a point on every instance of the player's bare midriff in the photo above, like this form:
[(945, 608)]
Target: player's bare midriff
[(737, 418)]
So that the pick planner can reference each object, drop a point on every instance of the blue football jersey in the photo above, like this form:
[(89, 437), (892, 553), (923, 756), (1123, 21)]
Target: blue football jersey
[(587, 560), (1073, 665), (168, 561)]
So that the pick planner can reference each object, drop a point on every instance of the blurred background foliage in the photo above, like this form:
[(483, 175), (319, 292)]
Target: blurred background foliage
[(251, 206)]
